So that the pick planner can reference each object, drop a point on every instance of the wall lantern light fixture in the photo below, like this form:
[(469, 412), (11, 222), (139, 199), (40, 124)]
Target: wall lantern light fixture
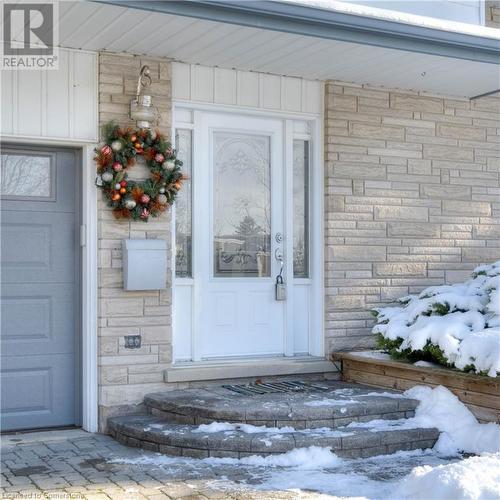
[(142, 110)]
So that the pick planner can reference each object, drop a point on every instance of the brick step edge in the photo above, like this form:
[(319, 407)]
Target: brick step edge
[(149, 433), (310, 418)]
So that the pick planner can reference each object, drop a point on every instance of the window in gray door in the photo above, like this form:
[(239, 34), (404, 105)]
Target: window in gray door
[(27, 176)]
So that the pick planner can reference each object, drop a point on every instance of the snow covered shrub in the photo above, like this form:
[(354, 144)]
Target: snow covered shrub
[(454, 325)]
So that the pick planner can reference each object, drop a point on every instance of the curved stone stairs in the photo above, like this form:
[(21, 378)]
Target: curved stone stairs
[(352, 420)]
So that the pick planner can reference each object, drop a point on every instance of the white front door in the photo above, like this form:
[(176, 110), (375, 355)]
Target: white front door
[(240, 239)]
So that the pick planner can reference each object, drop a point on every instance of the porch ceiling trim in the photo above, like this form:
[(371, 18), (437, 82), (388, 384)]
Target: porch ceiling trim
[(331, 25)]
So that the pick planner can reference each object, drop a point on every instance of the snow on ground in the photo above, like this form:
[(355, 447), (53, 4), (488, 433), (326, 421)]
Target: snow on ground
[(474, 478), (440, 408), (460, 430), (311, 458), (410, 475), (462, 320)]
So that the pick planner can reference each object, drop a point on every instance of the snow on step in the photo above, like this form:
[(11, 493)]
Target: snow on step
[(239, 440), (334, 404)]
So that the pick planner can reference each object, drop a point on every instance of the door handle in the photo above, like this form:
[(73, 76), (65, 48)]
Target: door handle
[(280, 288)]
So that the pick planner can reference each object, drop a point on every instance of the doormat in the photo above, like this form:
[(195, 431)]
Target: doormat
[(273, 387)]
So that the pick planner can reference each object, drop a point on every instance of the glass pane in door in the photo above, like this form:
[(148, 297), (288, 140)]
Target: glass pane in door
[(242, 205), (300, 208), (183, 207), (27, 176)]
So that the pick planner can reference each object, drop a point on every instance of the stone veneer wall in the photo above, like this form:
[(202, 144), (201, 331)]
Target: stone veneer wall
[(412, 198), (492, 16), (125, 375)]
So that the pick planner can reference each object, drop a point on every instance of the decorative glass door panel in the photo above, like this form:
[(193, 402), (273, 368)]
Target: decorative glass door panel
[(239, 213), (242, 205), (183, 207)]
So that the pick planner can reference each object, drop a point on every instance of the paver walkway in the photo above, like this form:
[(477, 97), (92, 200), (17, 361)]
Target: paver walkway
[(74, 464)]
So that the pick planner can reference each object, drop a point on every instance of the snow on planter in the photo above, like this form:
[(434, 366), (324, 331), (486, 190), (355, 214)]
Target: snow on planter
[(455, 325)]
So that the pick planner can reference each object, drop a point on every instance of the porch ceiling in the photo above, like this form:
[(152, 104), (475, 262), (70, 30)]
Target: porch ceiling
[(99, 26)]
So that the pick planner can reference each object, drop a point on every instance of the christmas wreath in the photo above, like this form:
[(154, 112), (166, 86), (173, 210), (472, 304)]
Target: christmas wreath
[(137, 200)]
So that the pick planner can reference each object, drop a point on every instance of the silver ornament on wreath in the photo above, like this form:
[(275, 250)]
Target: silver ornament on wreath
[(130, 203), (116, 146), (107, 176)]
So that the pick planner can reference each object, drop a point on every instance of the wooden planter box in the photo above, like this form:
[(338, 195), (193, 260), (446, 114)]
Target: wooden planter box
[(480, 394)]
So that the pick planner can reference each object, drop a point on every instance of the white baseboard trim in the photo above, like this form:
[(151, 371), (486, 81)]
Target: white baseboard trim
[(257, 367)]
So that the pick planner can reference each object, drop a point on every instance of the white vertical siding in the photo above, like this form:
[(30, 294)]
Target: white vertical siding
[(181, 81), (291, 94), (84, 95), (270, 91), (225, 86), (57, 98), (192, 82), (59, 104), (202, 83), (247, 89), (28, 108)]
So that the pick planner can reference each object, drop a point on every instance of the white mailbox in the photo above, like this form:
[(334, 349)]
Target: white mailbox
[(144, 264)]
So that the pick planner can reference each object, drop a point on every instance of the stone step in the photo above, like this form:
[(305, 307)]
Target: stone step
[(326, 404), (154, 434)]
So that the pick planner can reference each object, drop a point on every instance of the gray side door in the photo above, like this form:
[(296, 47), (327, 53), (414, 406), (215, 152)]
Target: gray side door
[(39, 287)]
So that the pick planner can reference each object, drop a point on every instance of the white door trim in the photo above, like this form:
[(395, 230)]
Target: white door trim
[(89, 273), (317, 238), (316, 338), (288, 217), (90, 405)]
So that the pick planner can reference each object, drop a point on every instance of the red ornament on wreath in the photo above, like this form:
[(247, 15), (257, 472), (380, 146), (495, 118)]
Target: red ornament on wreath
[(137, 200)]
